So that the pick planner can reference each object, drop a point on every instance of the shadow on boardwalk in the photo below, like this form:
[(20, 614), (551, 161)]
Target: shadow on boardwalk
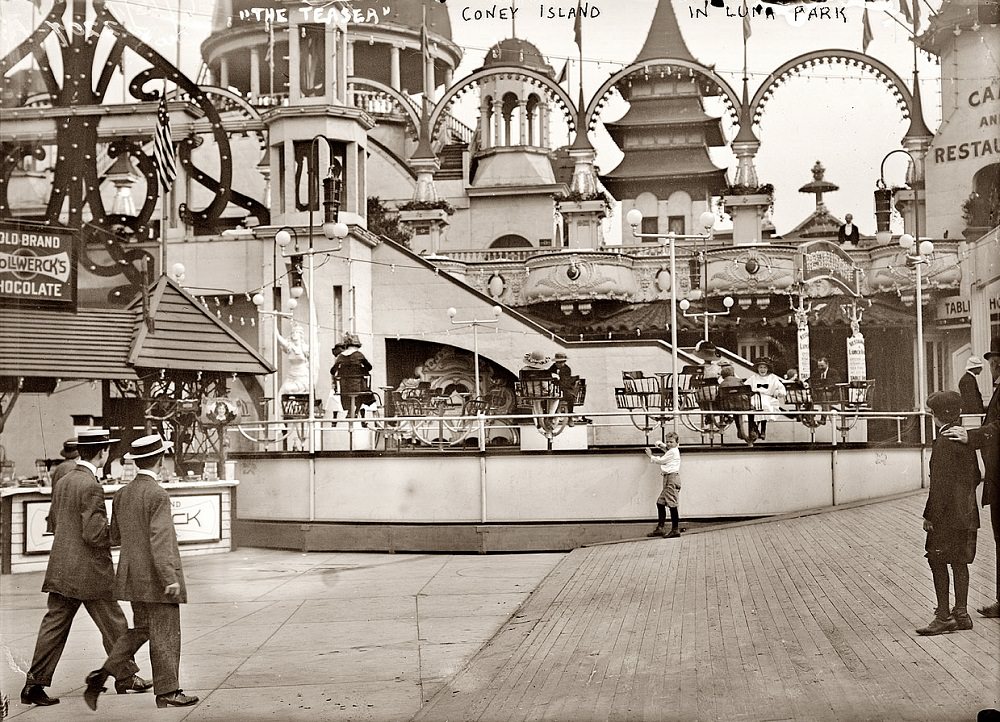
[(808, 618)]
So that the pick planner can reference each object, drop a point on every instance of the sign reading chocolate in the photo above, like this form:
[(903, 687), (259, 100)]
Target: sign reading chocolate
[(37, 264), (826, 261)]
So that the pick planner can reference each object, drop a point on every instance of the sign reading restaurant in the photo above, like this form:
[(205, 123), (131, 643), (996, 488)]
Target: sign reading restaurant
[(37, 264)]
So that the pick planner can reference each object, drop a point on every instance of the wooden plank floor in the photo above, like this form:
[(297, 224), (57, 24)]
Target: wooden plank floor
[(807, 618)]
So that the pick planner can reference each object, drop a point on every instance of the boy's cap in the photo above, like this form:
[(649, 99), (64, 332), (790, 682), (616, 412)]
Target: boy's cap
[(944, 401)]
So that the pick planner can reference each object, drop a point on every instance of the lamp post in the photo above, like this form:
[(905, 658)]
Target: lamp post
[(685, 304), (707, 221), (916, 253), (475, 323), (333, 229)]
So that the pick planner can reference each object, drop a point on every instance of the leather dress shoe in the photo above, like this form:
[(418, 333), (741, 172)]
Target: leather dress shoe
[(991, 611), (176, 698), (135, 683), (35, 694), (95, 685), (938, 626)]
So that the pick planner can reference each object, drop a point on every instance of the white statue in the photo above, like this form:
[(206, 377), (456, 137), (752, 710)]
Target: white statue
[(296, 378)]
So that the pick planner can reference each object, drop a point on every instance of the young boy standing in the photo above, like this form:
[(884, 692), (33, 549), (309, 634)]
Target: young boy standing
[(951, 518), (668, 456)]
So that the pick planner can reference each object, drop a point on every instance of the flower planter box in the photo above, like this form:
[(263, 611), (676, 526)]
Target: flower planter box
[(424, 216)]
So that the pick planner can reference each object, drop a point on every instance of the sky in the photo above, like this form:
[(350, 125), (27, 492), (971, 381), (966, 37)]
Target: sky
[(844, 118)]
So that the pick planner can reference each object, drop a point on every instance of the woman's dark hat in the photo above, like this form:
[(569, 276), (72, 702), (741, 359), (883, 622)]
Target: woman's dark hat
[(94, 437), (764, 361), (994, 348), (706, 350), (69, 450), (146, 446)]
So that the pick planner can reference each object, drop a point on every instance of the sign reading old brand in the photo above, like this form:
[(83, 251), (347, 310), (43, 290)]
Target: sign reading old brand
[(823, 260), (37, 265)]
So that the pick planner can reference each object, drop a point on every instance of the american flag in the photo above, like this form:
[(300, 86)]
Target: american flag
[(163, 147)]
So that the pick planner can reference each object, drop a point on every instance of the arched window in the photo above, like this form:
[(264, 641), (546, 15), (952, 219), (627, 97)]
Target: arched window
[(511, 240), (983, 206), (510, 119)]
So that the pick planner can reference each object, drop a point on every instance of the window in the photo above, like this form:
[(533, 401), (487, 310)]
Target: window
[(676, 224), (650, 225)]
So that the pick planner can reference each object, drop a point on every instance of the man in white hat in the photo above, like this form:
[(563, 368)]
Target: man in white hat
[(149, 577), (80, 572), (968, 386)]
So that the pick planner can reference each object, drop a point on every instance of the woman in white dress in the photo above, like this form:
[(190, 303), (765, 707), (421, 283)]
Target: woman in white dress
[(769, 394)]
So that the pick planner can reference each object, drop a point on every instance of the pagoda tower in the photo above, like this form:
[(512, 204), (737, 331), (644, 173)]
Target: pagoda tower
[(665, 135)]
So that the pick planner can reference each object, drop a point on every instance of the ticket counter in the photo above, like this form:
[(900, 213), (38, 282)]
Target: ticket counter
[(203, 511)]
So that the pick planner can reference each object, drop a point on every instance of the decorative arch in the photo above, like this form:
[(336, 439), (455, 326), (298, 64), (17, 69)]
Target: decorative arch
[(714, 83), (904, 98), (403, 102), (504, 71)]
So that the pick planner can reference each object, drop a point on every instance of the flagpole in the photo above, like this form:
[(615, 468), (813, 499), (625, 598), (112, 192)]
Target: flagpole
[(179, 25)]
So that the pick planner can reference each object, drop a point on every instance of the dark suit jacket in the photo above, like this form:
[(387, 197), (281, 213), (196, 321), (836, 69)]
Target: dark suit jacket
[(142, 522), (80, 562), (972, 399), (951, 502), (843, 237), (987, 439)]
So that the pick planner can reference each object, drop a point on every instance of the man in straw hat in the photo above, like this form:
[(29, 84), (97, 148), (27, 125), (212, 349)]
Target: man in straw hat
[(80, 571), (986, 438), (149, 577), (968, 387)]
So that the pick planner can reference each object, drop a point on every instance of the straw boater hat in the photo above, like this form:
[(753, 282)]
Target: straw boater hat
[(94, 437), (146, 446), (560, 356), (974, 362), (537, 360), (69, 450)]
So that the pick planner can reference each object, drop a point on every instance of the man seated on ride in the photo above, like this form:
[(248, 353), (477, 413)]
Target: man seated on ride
[(824, 384), (567, 383), (728, 379)]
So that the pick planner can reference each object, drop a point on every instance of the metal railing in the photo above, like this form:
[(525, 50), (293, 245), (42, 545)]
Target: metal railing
[(445, 431)]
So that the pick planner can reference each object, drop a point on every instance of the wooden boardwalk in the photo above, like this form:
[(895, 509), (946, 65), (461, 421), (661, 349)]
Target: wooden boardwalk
[(808, 618)]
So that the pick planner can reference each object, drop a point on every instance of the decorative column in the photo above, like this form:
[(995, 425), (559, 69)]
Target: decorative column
[(255, 71), (350, 58), (543, 124), (294, 56), (425, 215), (746, 206), (522, 109), (223, 72), (497, 123), (394, 67)]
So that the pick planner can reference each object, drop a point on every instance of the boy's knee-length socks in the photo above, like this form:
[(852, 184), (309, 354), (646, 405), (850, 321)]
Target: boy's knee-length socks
[(674, 517), (661, 514), (939, 571), (961, 572)]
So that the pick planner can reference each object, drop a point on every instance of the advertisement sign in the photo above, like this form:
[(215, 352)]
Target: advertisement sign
[(857, 367), (197, 520), (805, 362), (37, 264), (826, 261)]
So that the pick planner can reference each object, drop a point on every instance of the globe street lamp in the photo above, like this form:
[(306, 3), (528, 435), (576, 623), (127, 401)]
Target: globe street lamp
[(685, 304), (475, 323), (707, 221)]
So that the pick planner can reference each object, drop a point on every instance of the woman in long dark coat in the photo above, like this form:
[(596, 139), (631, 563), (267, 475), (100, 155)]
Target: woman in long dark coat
[(350, 373)]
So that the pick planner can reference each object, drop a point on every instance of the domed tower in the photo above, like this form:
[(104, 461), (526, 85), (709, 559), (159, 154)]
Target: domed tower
[(249, 51), (513, 154)]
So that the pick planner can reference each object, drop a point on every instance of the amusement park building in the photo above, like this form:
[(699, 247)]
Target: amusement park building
[(497, 212)]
